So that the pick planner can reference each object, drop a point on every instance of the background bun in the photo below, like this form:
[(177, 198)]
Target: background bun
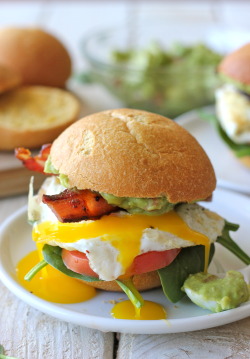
[(38, 57), (236, 65), (142, 282), (8, 79), (31, 116), (132, 153)]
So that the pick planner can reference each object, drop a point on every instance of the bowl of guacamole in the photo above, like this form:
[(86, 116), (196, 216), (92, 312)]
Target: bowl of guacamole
[(166, 77)]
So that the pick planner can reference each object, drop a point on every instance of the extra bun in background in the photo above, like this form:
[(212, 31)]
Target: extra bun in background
[(236, 65), (8, 79), (232, 103), (116, 152), (33, 115), (37, 56)]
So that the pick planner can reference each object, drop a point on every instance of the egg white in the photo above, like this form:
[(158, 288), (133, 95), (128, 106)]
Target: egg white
[(233, 110), (103, 257)]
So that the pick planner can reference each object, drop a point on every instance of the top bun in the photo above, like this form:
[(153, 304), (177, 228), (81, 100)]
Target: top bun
[(237, 64), (8, 79), (133, 153), (38, 57)]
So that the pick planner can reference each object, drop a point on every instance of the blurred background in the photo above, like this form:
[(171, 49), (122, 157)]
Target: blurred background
[(221, 25)]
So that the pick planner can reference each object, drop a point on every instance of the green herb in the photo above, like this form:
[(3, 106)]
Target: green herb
[(2, 356), (240, 150), (52, 255), (189, 261), (226, 241), (128, 287), (35, 270)]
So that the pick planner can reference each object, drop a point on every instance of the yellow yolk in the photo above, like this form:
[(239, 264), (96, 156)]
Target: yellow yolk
[(149, 311), (124, 233), (52, 285)]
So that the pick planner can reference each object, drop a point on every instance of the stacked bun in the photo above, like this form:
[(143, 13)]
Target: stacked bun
[(233, 102), (34, 106)]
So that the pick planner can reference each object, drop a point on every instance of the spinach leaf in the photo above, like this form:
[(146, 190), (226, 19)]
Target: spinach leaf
[(132, 293), (240, 150), (226, 241), (52, 255), (189, 261), (40, 265)]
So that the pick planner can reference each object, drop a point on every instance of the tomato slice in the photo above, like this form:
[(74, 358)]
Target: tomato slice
[(78, 262), (146, 262), (150, 261)]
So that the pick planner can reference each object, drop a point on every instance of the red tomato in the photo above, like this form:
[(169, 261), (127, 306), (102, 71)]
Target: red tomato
[(77, 262), (146, 262)]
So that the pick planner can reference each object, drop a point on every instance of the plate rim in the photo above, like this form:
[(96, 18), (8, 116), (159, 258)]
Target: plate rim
[(111, 324)]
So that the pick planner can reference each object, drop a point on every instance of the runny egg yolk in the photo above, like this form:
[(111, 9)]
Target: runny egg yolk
[(52, 285), (123, 232), (149, 311)]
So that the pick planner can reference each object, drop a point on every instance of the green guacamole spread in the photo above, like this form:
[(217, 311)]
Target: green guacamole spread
[(217, 294), (149, 206), (49, 168)]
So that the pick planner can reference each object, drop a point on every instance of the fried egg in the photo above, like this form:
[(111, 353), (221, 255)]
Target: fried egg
[(233, 110), (112, 242)]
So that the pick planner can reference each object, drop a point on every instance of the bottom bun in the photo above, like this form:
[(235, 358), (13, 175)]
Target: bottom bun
[(142, 282), (31, 116)]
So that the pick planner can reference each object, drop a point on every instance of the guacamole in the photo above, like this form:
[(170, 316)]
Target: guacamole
[(149, 206), (217, 294), (168, 82)]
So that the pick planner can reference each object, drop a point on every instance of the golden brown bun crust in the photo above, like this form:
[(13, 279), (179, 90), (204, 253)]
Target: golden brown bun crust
[(37, 56), (8, 79), (133, 153), (236, 65), (142, 282), (33, 115)]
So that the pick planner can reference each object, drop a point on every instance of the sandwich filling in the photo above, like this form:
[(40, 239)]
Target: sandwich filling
[(113, 241)]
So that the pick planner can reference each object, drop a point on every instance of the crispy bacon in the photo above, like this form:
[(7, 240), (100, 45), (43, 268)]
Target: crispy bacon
[(76, 205), (35, 163)]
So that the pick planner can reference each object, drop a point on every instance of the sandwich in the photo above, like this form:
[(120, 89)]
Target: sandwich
[(119, 208), (233, 103)]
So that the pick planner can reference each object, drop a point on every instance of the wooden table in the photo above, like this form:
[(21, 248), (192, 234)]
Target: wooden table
[(27, 333)]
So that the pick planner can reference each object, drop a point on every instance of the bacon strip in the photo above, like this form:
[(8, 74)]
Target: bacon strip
[(35, 163), (76, 205)]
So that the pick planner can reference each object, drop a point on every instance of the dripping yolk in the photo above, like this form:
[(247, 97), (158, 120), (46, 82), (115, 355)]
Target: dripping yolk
[(123, 233), (149, 311), (52, 285)]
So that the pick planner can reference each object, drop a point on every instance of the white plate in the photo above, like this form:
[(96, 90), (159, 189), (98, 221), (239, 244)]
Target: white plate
[(229, 171), (15, 242)]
